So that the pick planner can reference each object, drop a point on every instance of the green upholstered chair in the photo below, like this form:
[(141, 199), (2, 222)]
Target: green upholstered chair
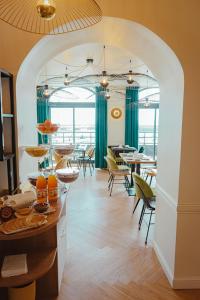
[(143, 191), (117, 176), (110, 153)]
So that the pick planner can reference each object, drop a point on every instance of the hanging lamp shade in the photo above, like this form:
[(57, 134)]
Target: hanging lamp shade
[(50, 17)]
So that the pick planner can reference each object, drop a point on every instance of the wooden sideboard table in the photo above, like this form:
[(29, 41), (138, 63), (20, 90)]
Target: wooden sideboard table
[(46, 252)]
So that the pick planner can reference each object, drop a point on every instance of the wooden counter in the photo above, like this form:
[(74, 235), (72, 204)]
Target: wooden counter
[(46, 249)]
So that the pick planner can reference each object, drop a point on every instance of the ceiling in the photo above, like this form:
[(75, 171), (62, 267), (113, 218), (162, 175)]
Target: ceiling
[(117, 63)]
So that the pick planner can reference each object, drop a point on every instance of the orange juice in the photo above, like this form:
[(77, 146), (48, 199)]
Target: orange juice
[(52, 188), (41, 189)]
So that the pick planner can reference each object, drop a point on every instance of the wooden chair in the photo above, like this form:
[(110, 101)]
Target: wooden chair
[(88, 159), (117, 175), (61, 162), (143, 191), (152, 173)]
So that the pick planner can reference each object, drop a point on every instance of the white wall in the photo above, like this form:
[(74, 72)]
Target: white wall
[(116, 127)]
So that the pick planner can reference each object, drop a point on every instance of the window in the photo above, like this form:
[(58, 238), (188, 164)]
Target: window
[(148, 130), (74, 110)]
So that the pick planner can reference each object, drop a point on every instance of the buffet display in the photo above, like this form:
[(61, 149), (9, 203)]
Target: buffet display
[(31, 209)]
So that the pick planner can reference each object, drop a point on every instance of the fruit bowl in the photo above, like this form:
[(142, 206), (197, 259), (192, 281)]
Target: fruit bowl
[(67, 175), (36, 151), (47, 127), (41, 207), (64, 150)]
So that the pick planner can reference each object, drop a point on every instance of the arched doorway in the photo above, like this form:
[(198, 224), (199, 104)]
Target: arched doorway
[(163, 63)]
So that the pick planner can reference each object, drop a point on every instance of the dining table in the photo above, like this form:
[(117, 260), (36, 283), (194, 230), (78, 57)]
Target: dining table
[(134, 160)]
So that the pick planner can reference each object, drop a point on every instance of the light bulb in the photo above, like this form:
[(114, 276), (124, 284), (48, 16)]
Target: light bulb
[(104, 82), (130, 79), (46, 92), (146, 104), (107, 95), (66, 81), (46, 9)]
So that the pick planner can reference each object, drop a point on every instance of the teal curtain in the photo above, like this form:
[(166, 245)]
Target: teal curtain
[(101, 128), (131, 117), (42, 112), (42, 115)]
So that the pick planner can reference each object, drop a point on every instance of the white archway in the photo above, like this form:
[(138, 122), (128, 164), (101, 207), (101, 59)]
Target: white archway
[(165, 66)]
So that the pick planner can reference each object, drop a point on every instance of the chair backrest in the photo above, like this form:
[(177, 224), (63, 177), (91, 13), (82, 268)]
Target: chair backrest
[(57, 157), (141, 150), (142, 188), (111, 163), (90, 152), (62, 164), (110, 152)]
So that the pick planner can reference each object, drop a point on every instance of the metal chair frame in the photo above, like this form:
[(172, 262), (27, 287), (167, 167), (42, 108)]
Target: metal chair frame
[(146, 205)]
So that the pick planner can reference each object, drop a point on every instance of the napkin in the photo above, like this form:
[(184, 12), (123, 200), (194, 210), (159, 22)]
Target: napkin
[(21, 200), (14, 265)]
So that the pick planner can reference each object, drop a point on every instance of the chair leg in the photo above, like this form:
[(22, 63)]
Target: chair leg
[(111, 187), (146, 177), (89, 163), (127, 182), (142, 216), (150, 180), (148, 227), (136, 205), (84, 168), (110, 175)]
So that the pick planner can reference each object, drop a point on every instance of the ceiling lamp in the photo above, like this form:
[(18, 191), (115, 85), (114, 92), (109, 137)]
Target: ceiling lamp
[(104, 82), (46, 92), (50, 16), (130, 79), (46, 9), (66, 80), (107, 95), (146, 103)]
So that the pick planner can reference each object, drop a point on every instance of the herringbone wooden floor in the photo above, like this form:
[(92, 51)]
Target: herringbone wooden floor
[(106, 255)]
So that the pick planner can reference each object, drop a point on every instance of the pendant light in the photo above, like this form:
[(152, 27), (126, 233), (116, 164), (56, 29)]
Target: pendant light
[(146, 103), (66, 80), (130, 79), (50, 17), (46, 92), (104, 82), (46, 9), (107, 94)]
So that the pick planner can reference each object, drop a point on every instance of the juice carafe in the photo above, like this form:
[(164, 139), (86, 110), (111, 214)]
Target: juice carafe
[(41, 189), (52, 188)]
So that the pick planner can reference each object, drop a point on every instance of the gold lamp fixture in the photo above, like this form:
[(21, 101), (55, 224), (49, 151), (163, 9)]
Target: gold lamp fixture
[(104, 81), (50, 17), (46, 9), (130, 79)]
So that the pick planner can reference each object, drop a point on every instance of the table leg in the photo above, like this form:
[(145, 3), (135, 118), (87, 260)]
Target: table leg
[(131, 191), (138, 169)]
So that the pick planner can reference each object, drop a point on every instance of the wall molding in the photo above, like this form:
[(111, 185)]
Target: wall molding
[(186, 283), (176, 283), (179, 208), (166, 197), (163, 263)]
